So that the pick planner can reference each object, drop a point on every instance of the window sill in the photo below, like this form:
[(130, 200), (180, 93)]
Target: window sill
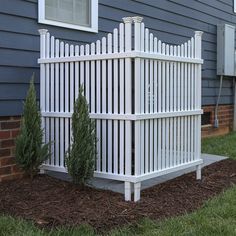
[(68, 26)]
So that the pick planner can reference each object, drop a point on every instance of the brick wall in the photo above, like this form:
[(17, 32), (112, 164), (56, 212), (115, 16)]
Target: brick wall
[(225, 118), (9, 128)]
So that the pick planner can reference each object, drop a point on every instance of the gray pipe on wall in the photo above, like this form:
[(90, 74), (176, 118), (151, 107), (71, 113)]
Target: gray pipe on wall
[(216, 121)]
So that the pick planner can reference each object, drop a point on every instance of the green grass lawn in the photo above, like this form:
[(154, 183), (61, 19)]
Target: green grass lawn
[(216, 217), (223, 145)]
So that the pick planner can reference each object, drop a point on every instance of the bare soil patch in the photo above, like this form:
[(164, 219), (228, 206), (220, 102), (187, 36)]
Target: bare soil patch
[(51, 203)]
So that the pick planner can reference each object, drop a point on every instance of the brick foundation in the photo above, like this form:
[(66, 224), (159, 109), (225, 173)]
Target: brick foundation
[(225, 118), (9, 129)]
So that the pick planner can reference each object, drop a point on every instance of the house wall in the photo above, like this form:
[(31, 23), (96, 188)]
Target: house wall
[(172, 20)]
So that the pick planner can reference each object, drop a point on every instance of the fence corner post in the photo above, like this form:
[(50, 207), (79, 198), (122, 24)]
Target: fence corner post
[(199, 172), (128, 103), (198, 44), (128, 191), (137, 93), (128, 33), (198, 55), (137, 32), (42, 33), (137, 190)]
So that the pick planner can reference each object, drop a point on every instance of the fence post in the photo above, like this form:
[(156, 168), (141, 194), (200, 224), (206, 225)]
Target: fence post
[(137, 77), (128, 105), (198, 55), (42, 33)]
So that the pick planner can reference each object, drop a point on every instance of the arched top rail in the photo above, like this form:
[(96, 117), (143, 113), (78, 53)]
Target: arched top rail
[(121, 43)]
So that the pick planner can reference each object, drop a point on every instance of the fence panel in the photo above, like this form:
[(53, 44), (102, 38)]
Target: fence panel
[(144, 95)]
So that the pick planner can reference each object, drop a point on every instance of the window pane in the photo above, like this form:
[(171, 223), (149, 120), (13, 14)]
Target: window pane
[(68, 11)]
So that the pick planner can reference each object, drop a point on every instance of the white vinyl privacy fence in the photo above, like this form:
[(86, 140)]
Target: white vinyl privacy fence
[(144, 95)]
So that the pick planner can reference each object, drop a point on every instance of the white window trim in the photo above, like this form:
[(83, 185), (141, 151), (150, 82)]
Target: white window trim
[(234, 6), (94, 18)]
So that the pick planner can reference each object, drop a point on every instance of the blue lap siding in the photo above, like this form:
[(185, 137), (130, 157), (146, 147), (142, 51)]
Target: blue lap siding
[(173, 21)]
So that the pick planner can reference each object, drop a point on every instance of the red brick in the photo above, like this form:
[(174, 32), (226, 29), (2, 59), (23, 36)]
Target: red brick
[(225, 117), (16, 118), (3, 118), (8, 143), (4, 134), (5, 170), (11, 177), (6, 161), (15, 133), (5, 152), (10, 125), (16, 169), (13, 151)]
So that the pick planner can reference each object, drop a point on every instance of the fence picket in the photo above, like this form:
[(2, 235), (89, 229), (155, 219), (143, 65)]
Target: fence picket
[(87, 75), (76, 79), (147, 101), (57, 99), (175, 108), (155, 95), (167, 160), (151, 103), (115, 104), (171, 149), (73, 82), (82, 77), (110, 97), (47, 91), (163, 156), (52, 97), (98, 108), (104, 107), (159, 162), (142, 100), (67, 96), (62, 101), (122, 88)]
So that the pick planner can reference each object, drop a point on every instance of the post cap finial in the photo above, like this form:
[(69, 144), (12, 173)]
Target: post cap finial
[(127, 19), (198, 33), (137, 19), (42, 31)]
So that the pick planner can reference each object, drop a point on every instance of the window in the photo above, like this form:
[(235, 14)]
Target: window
[(73, 14)]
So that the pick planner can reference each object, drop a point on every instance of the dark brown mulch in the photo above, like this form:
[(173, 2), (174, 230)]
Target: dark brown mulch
[(50, 202)]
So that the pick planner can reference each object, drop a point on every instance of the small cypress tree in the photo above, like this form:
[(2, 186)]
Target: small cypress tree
[(81, 155), (30, 150)]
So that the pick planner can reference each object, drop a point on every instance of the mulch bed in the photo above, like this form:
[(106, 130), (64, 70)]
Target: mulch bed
[(50, 202)]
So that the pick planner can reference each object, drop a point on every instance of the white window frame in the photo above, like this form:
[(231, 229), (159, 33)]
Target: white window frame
[(94, 18), (234, 6)]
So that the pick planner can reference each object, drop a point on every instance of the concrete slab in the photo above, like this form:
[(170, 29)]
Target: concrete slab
[(117, 186)]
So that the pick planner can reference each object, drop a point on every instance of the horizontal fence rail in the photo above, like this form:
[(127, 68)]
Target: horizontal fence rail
[(144, 95)]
